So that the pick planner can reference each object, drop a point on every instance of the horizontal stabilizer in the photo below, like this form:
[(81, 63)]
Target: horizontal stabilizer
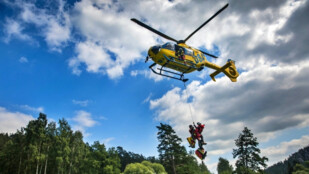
[(229, 69)]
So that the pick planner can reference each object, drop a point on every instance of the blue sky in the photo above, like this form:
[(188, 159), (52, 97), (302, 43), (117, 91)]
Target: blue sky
[(84, 61)]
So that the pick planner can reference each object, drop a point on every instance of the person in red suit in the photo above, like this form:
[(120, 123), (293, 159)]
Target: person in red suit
[(198, 132)]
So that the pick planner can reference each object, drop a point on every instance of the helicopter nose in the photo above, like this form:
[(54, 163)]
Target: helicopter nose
[(155, 49)]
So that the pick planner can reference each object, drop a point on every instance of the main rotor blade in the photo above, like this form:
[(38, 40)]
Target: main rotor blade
[(153, 30), (207, 21), (209, 54)]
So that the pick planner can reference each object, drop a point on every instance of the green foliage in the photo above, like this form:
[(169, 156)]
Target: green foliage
[(137, 168), (130, 157), (203, 169), (158, 168), (224, 167), (301, 168), (244, 170), (144, 167), (247, 153), (4, 137), (44, 148), (148, 165)]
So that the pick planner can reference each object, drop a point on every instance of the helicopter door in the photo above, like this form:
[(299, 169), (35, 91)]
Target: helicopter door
[(179, 52)]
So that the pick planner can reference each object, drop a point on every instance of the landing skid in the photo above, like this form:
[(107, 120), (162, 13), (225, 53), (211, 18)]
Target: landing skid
[(161, 70), (179, 76)]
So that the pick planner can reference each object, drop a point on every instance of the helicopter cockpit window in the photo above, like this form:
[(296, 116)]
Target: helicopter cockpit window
[(169, 46), (188, 52)]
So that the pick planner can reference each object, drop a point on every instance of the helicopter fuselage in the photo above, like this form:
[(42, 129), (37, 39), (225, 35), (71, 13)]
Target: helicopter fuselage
[(166, 55), (188, 60)]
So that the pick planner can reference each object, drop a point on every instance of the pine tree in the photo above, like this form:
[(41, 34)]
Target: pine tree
[(247, 153), (171, 153), (224, 167)]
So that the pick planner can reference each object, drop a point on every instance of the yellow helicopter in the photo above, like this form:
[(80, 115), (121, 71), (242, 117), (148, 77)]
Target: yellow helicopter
[(183, 58)]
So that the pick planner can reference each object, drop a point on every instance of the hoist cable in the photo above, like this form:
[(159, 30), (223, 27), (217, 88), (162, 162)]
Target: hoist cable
[(184, 83)]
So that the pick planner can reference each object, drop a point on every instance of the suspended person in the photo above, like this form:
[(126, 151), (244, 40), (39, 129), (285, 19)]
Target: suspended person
[(200, 152), (192, 131), (191, 139), (198, 132)]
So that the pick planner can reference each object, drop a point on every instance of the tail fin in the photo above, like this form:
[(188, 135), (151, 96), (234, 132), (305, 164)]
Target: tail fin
[(229, 69)]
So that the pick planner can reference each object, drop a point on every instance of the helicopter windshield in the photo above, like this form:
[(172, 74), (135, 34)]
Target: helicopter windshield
[(169, 46)]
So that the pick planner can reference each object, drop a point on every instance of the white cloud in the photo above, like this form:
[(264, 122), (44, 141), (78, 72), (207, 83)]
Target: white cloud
[(284, 149), (23, 59), (147, 99), (83, 121), (83, 103), (267, 32), (103, 118), (134, 73), (32, 109), (57, 34), (54, 27), (148, 74), (113, 42), (10, 122), (107, 141), (13, 29), (74, 65), (93, 55)]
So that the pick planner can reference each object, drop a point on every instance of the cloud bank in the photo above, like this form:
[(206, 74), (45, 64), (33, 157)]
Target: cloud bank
[(10, 122)]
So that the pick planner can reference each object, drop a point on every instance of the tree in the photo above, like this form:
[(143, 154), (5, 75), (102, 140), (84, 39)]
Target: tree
[(63, 150), (203, 168), (224, 167), (171, 153), (77, 147), (145, 167), (247, 153), (35, 138), (137, 168), (155, 167), (129, 157), (50, 145), (301, 168), (112, 163), (4, 138)]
